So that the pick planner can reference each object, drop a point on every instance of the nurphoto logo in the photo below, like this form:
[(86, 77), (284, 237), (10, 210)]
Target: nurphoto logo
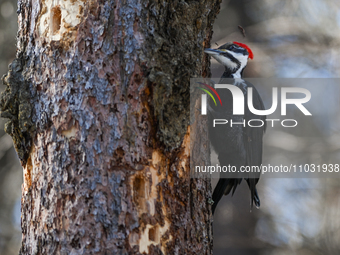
[(238, 104)]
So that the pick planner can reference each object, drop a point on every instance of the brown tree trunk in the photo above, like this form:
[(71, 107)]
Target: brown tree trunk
[(98, 102)]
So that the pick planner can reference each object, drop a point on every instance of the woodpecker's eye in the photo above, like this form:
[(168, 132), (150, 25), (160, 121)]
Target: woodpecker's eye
[(232, 47)]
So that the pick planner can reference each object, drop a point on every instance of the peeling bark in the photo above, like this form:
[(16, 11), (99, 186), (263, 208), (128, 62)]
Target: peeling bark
[(98, 108)]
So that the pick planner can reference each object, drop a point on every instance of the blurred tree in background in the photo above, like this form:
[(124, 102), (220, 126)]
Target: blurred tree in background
[(296, 39), (291, 39)]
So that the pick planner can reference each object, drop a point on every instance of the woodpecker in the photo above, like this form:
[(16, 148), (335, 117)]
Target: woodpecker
[(240, 145)]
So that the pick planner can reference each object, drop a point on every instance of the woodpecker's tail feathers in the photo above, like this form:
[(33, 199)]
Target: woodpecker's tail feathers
[(237, 182), (254, 197), (256, 200), (223, 187)]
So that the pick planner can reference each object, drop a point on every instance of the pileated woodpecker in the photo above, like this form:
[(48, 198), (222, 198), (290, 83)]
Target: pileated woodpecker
[(237, 145)]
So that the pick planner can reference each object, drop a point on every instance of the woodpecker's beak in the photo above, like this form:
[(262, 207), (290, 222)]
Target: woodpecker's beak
[(213, 51)]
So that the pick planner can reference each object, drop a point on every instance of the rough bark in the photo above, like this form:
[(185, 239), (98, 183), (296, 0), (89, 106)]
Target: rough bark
[(98, 102)]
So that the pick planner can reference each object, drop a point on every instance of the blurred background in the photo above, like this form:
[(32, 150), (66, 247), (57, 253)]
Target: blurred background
[(292, 39)]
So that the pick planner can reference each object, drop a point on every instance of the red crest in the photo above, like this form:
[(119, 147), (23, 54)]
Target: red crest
[(251, 54)]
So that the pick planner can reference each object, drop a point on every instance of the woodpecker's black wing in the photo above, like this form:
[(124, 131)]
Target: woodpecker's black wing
[(253, 143), (238, 146), (228, 143)]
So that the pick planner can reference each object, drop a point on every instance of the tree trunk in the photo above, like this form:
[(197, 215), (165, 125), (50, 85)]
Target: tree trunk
[(98, 106)]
